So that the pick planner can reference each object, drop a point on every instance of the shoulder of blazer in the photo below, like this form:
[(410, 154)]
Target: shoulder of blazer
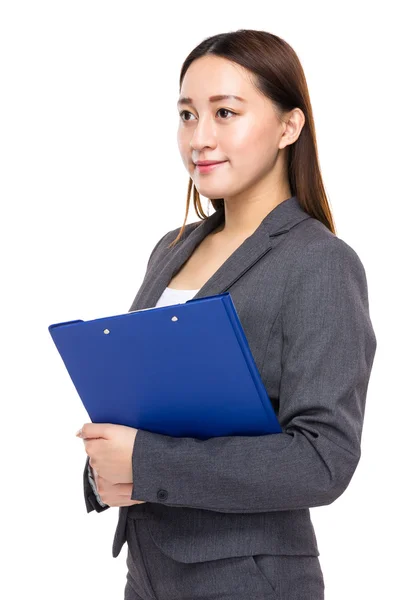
[(313, 246), (311, 232)]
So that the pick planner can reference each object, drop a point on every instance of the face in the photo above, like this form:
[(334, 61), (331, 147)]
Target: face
[(245, 134)]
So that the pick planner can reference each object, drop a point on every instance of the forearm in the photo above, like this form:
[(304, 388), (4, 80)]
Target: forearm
[(241, 473)]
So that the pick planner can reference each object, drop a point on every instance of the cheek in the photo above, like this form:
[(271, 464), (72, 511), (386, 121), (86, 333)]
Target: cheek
[(240, 136), (181, 141), (184, 150), (249, 145), (184, 135)]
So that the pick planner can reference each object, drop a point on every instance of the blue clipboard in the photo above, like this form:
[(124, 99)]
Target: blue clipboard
[(183, 370)]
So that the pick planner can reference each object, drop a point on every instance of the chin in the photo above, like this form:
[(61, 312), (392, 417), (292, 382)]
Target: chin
[(212, 193)]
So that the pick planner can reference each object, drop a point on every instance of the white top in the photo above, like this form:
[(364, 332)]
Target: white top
[(172, 296)]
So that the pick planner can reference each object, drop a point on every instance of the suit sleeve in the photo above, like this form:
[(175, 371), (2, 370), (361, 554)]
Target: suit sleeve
[(328, 348), (92, 481), (92, 498)]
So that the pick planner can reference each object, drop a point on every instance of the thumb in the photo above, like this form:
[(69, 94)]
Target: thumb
[(94, 430)]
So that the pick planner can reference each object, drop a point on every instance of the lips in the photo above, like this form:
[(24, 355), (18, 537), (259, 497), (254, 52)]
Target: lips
[(207, 168), (206, 163)]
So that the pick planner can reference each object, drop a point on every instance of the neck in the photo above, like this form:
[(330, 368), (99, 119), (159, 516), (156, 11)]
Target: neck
[(241, 219)]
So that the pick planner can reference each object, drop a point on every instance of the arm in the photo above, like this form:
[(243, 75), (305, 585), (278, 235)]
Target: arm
[(326, 359)]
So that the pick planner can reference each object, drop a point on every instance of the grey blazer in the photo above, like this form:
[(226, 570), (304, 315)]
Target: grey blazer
[(301, 295)]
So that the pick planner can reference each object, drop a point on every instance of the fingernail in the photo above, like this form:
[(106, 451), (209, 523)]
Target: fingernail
[(79, 433)]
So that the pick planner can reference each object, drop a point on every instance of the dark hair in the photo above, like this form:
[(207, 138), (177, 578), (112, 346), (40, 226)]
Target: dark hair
[(278, 74)]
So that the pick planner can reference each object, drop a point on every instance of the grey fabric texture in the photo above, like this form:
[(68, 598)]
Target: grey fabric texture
[(154, 575), (93, 486), (302, 298)]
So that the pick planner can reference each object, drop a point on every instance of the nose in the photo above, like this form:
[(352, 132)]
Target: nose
[(204, 135)]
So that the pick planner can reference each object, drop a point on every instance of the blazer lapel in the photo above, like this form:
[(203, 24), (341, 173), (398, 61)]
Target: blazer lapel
[(284, 216)]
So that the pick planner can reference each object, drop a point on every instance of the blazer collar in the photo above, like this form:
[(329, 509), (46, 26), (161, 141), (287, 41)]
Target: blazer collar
[(280, 220)]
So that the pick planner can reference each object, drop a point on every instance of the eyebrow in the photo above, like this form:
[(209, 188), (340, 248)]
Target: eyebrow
[(187, 100)]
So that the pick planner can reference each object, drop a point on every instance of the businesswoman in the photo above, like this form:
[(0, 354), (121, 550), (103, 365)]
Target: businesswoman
[(228, 517)]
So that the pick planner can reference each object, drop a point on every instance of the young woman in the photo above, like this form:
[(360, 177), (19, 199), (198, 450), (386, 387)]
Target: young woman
[(229, 517)]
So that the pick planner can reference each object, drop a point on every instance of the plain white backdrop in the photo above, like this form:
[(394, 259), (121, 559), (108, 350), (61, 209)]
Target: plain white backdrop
[(91, 178)]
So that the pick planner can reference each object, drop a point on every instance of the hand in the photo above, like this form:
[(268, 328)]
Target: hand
[(118, 494), (109, 448)]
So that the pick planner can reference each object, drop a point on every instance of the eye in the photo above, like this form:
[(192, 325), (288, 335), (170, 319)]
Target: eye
[(220, 109), (184, 112), (227, 111)]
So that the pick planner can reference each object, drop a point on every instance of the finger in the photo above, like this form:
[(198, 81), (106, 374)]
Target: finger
[(118, 499), (130, 503), (118, 489), (92, 445), (96, 430)]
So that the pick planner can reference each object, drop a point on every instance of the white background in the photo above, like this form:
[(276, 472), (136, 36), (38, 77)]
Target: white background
[(91, 178)]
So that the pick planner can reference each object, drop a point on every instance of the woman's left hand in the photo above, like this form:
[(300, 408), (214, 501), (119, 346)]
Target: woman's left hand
[(109, 448)]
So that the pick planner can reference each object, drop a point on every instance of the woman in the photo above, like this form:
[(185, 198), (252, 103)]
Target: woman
[(229, 517)]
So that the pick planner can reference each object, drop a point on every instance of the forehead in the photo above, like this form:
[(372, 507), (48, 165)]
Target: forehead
[(211, 75)]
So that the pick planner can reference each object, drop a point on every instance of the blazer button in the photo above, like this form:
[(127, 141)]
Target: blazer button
[(162, 494)]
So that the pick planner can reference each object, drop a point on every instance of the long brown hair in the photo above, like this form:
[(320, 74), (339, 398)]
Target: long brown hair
[(278, 74)]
